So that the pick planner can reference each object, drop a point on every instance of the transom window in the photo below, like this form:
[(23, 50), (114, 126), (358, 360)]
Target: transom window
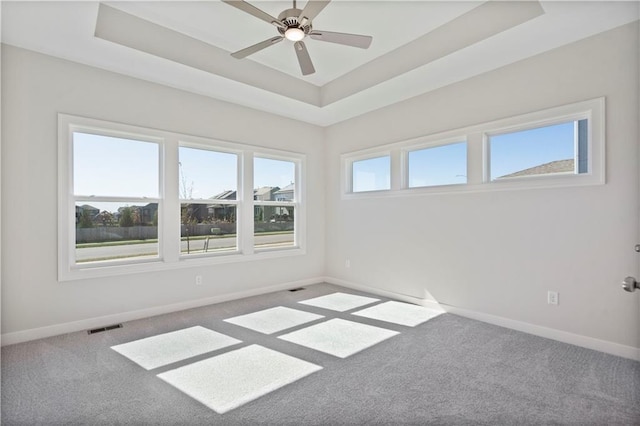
[(554, 149), (371, 174), (559, 146), (438, 165)]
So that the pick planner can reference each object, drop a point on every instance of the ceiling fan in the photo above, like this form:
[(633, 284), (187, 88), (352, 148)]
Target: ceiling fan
[(295, 24)]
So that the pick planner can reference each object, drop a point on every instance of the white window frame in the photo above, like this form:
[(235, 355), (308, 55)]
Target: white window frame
[(370, 154), (427, 144), (592, 111), (193, 143), (476, 137), (169, 201), (297, 204)]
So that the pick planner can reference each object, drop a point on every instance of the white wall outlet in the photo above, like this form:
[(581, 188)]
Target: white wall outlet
[(552, 297), (198, 279), (347, 263)]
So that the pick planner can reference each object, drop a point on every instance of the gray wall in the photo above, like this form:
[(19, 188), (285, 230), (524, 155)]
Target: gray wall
[(498, 253), (35, 88), (494, 253)]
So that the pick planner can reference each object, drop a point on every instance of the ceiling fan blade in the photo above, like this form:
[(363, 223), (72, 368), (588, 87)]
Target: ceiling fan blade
[(252, 10), (354, 40), (311, 10), (256, 47), (303, 58)]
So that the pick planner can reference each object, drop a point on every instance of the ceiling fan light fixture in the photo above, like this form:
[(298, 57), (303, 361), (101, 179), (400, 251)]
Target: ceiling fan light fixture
[(294, 34)]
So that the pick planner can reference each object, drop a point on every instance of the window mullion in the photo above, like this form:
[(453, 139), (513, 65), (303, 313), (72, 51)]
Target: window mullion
[(475, 158), (246, 205), (170, 219)]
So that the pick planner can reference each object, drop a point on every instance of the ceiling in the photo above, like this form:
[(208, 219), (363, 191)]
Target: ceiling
[(418, 46)]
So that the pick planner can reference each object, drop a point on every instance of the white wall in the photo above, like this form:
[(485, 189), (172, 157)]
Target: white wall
[(35, 88), (498, 253), (495, 254)]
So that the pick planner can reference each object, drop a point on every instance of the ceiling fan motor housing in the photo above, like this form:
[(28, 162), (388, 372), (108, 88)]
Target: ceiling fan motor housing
[(289, 19)]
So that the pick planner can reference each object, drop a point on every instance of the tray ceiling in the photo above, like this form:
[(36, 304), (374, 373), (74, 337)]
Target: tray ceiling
[(418, 46)]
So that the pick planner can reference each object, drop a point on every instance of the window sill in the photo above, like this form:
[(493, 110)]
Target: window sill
[(158, 265), (511, 184)]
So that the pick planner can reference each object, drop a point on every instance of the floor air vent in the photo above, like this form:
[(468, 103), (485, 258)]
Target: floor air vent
[(107, 328), (296, 289)]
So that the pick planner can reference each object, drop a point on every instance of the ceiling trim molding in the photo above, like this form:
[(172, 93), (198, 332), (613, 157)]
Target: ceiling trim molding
[(128, 30)]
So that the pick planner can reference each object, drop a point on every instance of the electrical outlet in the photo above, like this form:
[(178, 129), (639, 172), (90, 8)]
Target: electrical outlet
[(198, 279), (552, 297), (347, 263)]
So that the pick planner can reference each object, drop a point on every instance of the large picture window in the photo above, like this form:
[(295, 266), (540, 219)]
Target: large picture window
[(134, 199)]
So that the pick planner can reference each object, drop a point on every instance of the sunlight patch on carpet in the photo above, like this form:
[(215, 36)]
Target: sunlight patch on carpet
[(227, 381), (339, 301), (339, 337), (399, 313), (156, 351), (273, 320)]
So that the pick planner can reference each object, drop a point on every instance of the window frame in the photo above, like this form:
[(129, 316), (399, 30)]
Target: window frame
[(296, 203), (169, 201), (478, 176), (194, 144), (363, 156), (431, 143), (543, 122)]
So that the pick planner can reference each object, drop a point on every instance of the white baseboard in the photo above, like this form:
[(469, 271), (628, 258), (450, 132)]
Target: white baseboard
[(549, 333), (398, 296), (89, 323)]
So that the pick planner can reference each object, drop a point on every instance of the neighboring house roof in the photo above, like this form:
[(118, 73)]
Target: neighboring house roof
[(288, 188), (558, 166), (226, 195), (265, 190), (86, 207)]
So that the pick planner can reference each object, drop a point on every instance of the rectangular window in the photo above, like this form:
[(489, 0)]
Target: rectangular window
[(136, 200), (116, 194), (275, 202), (371, 174), (438, 165), (561, 146), (208, 201), (547, 150)]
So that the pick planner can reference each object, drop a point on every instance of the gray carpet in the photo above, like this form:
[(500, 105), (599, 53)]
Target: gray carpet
[(449, 370)]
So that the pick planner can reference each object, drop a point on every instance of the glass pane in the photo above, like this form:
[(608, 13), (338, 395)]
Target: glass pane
[(115, 231), (372, 174), (108, 166), (440, 165), (207, 228), (273, 180), (273, 226), (207, 174), (540, 151)]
